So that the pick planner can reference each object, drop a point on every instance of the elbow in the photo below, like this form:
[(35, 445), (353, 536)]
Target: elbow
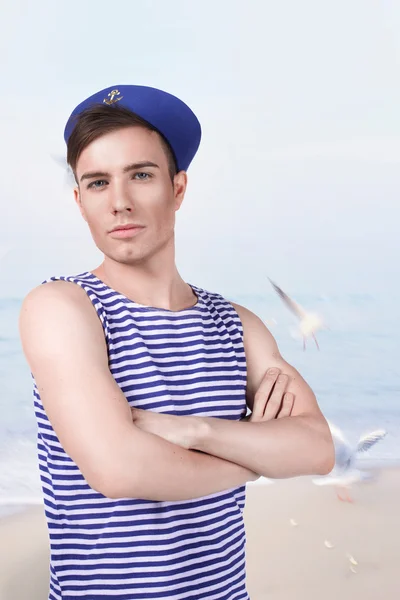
[(105, 487), (108, 486), (326, 460), (100, 482), (116, 473), (325, 452), (117, 484), (320, 446), (110, 482)]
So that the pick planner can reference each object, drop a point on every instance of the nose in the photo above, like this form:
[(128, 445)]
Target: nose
[(120, 198)]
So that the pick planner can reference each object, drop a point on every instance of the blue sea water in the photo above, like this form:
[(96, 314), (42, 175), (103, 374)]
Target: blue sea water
[(355, 376)]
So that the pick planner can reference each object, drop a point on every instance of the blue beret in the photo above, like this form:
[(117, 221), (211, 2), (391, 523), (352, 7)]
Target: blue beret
[(166, 113)]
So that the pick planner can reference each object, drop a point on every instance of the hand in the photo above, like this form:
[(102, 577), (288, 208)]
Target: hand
[(271, 401), (179, 430)]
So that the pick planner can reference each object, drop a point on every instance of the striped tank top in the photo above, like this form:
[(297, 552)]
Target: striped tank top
[(189, 362)]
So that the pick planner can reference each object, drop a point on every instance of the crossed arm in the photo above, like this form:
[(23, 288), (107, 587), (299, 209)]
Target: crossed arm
[(64, 345), (297, 444)]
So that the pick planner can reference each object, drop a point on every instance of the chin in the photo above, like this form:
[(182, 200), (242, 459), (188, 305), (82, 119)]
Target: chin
[(129, 254)]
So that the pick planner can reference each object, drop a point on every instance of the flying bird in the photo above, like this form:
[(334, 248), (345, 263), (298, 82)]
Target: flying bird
[(345, 473), (309, 322), (69, 179)]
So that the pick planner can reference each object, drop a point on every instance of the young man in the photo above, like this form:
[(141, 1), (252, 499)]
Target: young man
[(142, 381)]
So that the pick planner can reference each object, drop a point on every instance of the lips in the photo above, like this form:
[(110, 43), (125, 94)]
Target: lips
[(126, 231), (127, 226)]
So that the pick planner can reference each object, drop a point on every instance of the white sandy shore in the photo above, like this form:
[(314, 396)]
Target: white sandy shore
[(284, 561)]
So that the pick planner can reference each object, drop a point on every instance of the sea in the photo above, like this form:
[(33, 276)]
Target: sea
[(355, 375)]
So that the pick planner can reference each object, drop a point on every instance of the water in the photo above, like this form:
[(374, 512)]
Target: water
[(355, 376)]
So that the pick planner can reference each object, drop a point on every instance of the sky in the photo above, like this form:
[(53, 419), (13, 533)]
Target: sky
[(297, 176)]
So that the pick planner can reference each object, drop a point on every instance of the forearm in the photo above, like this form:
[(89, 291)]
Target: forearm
[(279, 448), (151, 468)]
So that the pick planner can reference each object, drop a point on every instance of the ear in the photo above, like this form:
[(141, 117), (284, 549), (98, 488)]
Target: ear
[(180, 184), (77, 198)]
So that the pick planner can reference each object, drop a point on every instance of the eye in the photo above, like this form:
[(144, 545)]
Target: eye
[(142, 176), (93, 184)]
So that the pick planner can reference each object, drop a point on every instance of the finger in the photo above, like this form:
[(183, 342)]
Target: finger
[(263, 393), (275, 400), (287, 405)]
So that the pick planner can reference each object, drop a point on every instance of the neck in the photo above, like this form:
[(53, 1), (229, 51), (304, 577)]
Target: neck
[(156, 284)]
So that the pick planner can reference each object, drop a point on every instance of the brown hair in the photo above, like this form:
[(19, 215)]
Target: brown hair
[(97, 120)]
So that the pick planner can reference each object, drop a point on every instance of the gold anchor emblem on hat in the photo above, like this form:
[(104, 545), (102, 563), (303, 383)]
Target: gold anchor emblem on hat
[(112, 99)]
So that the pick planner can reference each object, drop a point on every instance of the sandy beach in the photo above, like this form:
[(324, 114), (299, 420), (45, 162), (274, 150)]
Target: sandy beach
[(300, 538), (292, 562)]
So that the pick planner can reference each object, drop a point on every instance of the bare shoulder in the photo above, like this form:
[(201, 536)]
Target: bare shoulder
[(59, 292), (255, 332), (248, 317), (55, 314), (55, 300)]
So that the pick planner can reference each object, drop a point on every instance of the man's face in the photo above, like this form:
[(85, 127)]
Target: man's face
[(123, 179)]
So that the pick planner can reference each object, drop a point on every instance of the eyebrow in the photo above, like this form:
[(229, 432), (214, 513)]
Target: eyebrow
[(132, 167)]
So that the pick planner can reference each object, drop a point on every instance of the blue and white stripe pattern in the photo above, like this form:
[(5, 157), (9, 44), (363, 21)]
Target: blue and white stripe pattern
[(189, 362)]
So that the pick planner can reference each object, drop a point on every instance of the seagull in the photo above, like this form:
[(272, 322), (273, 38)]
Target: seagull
[(309, 322), (69, 175), (345, 473)]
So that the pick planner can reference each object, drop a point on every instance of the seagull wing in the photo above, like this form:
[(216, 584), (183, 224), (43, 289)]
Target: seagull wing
[(291, 304), (342, 479), (62, 162), (343, 451), (326, 480), (370, 439)]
